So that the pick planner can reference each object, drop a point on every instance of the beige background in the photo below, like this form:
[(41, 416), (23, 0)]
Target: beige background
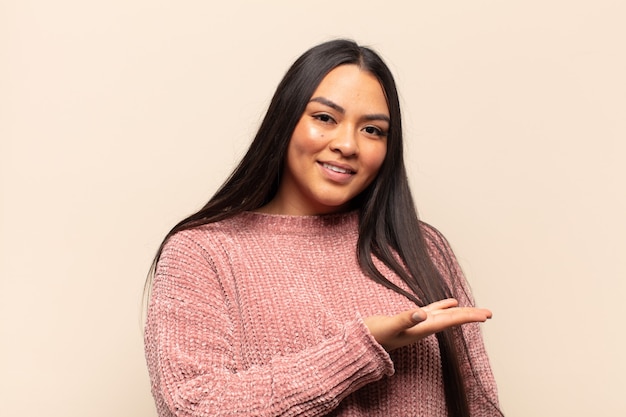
[(117, 118)]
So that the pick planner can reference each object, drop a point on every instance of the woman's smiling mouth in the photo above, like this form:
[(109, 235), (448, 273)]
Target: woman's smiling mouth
[(339, 169)]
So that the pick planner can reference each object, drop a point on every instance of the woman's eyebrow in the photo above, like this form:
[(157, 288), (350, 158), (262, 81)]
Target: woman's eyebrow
[(333, 105), (328, 103), (381, 116)]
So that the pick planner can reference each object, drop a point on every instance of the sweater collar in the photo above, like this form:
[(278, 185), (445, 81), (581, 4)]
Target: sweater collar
[(298, 225)]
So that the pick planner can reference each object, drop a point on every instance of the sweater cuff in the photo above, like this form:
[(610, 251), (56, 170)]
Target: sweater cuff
[(359, 360), (349, 361), (363, 360), (374, 349)]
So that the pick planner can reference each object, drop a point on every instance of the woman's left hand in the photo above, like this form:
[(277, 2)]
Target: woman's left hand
[(408, 327)]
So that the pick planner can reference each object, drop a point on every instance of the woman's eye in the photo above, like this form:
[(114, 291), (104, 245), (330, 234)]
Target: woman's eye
[(325, 118), (372, 130)]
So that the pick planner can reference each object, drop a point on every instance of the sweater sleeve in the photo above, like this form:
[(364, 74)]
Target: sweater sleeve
[(191, 348), (479, 380)]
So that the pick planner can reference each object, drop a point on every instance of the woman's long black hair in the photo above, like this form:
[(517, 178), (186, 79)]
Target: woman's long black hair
[(388, 219)]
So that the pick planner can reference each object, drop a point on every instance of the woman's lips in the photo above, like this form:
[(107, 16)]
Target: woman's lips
[(337, 172)]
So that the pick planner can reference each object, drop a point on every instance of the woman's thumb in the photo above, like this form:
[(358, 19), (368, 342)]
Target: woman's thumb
[(417, 316)]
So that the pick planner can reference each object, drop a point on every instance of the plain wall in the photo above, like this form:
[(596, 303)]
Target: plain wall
[(118, 118)]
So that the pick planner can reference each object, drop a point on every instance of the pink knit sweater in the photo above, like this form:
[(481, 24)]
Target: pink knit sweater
[(261, 315)]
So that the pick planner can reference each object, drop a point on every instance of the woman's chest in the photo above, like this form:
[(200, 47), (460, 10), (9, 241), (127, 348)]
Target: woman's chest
[(288, 297)]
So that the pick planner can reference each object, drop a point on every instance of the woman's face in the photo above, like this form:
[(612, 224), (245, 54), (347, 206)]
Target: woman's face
[(337, 147)]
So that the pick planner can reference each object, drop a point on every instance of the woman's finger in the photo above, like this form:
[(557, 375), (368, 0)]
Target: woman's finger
[(441, 304), (446, 318)]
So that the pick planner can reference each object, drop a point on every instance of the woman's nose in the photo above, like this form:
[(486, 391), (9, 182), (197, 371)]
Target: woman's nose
[(344, 142)]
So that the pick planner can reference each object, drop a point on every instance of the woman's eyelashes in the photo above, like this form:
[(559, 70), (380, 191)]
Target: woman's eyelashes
[(324, 118), (376, 131)]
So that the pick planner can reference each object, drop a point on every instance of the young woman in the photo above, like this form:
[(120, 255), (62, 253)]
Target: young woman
[(307, 285)]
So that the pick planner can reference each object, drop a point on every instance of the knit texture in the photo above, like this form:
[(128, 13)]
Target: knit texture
[(261, 315)]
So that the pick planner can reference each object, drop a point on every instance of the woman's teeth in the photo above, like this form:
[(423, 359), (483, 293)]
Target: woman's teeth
[(337, 169)]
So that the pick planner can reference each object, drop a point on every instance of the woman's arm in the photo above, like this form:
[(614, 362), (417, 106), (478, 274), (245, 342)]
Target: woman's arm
[(192, 348)]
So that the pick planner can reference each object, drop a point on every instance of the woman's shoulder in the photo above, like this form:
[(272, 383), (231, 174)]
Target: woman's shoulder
[(432, 236), (203, 235), (439, 248)]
